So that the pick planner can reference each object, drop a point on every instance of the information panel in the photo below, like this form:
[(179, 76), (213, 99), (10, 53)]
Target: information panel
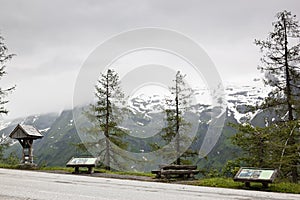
[(255, 174), (82, 161)]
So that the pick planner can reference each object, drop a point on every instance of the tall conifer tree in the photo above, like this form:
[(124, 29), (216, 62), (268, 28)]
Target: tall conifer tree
[(176, 125), (278, 143), (4, 58), (105, 116)]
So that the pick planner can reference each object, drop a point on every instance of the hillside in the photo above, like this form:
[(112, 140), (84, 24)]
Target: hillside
[(60, 134)]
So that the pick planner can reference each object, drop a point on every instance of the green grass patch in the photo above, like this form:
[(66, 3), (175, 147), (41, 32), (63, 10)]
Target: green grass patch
[(8, 166), (217, 182), (283, 187), (50, 168), (125, 173)]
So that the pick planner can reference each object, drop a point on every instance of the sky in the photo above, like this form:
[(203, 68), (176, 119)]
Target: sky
[(53, 39)]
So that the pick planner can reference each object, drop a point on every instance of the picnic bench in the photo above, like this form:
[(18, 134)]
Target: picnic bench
[(258, 175), (76, 163), (181, 171)]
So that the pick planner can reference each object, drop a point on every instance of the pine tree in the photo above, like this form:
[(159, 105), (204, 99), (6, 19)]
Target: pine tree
[(105, 116), (3, 146), (286, 153), (4, 58), (280, 63), (277, 144), (176, 125), (255, 143)]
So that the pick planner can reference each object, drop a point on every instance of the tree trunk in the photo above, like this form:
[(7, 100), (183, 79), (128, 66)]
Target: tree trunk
[(106, 133), (178, 162), (289, 99), (107, 154), (261, 152)]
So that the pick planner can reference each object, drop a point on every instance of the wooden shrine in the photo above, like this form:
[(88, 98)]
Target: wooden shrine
[(25, 134)]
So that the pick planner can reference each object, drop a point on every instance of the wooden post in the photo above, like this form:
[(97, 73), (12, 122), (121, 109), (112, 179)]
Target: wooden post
[(90, 170), (265, 184), (30, 151), (23, 155)]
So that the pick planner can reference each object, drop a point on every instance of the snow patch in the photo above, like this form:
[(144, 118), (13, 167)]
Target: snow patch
[(44, 130), (4, 125), (35, 118), (239, 97)]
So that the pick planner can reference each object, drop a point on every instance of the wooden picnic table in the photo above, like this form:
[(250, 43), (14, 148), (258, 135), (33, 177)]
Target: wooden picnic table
[(181, 171)]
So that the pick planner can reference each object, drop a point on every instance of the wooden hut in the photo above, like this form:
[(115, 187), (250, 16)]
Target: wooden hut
[(25, 134)]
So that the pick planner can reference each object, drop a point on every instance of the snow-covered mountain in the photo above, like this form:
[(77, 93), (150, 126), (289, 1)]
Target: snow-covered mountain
[(42, 122), (239, 97)]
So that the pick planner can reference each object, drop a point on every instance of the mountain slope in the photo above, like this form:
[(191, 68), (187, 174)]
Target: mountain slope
[(144, 120)]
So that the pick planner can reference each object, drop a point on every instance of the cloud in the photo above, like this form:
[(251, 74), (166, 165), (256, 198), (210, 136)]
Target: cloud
[(52, 39)]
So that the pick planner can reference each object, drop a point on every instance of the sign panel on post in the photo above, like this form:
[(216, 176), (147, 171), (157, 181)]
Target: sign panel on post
[(263, 176)]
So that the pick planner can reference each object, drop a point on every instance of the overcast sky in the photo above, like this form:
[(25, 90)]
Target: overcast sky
[(52, 39)]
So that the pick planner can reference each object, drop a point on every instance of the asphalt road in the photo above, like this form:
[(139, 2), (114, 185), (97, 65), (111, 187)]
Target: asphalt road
[(27, 185)]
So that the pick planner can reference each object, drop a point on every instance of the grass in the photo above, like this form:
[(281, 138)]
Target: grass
[(97, 170), (8, 166), (48, 168), (283, 187), (216, 182), (125, 173)]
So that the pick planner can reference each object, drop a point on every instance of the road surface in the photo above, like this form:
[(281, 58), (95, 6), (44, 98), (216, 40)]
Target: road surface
[(28, 185)]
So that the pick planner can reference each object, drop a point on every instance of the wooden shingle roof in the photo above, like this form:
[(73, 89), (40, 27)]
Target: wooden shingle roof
[(25, 131)]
